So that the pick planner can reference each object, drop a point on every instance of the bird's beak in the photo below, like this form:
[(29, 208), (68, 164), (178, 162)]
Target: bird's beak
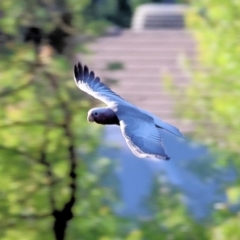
[(90, 118)]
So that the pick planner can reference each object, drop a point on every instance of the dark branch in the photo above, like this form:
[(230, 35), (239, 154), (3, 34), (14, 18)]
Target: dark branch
[(31, 216), (16, 151), (12, 91), (50, 175), (65, 214), (30, 123)]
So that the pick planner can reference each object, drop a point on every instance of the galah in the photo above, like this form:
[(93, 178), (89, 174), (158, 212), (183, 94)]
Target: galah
[(141, 129)]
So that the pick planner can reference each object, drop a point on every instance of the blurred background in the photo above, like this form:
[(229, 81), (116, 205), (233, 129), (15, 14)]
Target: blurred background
[(63, 178)]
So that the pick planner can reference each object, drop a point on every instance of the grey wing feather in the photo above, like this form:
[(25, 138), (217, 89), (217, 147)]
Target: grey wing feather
[(92, 85), (159, 123), (144, 139)]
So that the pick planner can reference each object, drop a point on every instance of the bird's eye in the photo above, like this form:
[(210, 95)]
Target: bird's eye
[(95, 113)]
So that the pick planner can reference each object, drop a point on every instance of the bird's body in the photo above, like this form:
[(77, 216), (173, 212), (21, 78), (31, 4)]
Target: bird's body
[(141, 129)]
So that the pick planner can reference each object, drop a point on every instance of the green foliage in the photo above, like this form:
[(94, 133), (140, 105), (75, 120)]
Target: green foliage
[(47, 149), (45, 138), (212, 99), (171, 220), (214, 93)]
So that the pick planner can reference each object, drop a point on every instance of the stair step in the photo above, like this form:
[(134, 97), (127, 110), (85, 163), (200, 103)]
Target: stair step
[(141, 46)]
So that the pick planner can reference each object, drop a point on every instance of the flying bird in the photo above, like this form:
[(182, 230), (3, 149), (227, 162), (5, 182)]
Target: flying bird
[(141, 129)]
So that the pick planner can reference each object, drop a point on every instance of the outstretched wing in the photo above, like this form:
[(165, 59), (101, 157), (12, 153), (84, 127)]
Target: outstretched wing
[(161, 124), (92, 85), (143, 138)]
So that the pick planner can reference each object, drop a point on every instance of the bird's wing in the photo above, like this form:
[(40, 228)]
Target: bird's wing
[(92, 85), (143, 138), (161, 124)]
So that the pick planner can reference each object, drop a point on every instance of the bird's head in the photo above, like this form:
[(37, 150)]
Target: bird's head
[(102, 116), (96, 115)]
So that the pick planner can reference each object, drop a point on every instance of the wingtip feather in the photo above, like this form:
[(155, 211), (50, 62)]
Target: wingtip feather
[(78, 72), (75, 72), (85, 71), (91, 75)]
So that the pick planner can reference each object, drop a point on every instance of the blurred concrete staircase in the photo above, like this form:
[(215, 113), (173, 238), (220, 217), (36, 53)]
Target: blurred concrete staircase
[(137, 64), (159, 16)]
